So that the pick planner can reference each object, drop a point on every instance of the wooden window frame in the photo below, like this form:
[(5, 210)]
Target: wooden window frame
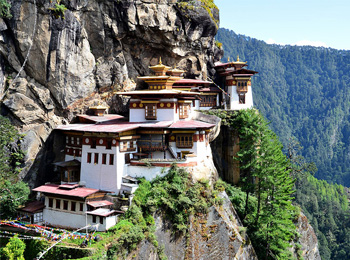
[(96, 155), (50, 202), (184, 110), (88, 160), (94, 220), (123, 146), (101, 220), (151, 111), (81, 206), (241, 99), (73, 205), (184, 141)]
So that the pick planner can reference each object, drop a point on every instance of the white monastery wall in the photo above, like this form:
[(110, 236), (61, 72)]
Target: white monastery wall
[(98, 175), (234, 100)]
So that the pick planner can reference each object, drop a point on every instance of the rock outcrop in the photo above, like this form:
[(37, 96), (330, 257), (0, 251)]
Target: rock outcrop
[(95, 47), (307, 239), (219, 234)]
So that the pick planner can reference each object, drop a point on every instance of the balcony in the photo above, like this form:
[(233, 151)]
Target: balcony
[(151, 145)]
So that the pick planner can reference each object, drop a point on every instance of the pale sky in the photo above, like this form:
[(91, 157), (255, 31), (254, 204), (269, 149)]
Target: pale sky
[(295, 22)]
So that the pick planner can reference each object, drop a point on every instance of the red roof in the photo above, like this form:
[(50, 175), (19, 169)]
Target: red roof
[(191, 124), (113, 127), (33, 207), (103, 127), (55, 189), (99, 203)]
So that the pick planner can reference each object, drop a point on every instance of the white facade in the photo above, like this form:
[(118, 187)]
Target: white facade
[(104, 176), (163, 113), (234, 98), (67, 218)]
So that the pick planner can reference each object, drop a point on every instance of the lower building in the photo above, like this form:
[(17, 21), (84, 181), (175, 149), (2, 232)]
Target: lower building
[(73, 206)]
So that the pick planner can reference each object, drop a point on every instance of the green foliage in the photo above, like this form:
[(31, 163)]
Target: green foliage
[(264, 202), (327, 208), (304, 92), (14, 249), (13, 192), (5, 9), (58, 10), (208, 5), (173, 195), (218, 44), (13, 195), (10, 151)]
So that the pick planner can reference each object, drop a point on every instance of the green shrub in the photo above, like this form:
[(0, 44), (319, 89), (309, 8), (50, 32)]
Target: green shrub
[(5, 9)]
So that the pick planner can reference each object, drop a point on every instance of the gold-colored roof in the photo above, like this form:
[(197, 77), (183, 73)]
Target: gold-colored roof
[(160, 66), (238, 61)]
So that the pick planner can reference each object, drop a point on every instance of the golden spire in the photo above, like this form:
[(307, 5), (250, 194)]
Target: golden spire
[(160, 60), (237, 57), (228, 59)]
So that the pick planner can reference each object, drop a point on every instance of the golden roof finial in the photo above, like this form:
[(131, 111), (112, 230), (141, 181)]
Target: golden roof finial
[(237, 57), (160, 60), (228, 59)]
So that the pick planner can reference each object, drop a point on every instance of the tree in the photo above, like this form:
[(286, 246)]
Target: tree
[(13, 191), (14, 249), (266, 181)]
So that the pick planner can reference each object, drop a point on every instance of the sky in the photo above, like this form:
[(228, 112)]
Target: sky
[(296, 22)]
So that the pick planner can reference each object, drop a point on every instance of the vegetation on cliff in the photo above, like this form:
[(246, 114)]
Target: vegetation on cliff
[(304, 92), (5, 9), (13, 192), (326, 207), (175, 196), (266, 208)]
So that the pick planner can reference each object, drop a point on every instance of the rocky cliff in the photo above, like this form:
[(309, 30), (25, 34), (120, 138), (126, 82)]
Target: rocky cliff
[(79, 56), (219, 234)]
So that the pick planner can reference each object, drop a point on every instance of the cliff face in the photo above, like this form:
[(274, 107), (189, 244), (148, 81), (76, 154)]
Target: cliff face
[(98, 46), (219, 234)]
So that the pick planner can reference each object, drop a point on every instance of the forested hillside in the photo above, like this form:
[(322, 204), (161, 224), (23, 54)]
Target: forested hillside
[(304, 92)]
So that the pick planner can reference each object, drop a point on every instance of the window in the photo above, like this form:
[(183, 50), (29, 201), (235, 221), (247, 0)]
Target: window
[(58, 204), (101, 220), (89, 158), (93, 143), (242, 87), (72, 206), (50, 202), (67, 139), (131, 146), (65, 204), (96, 158), (151, 111), (104, 158), (78, 140), (242, 98), (111, 159), (81, 206), (184, 141), (38, 217), (109, 144), (184, 110), (208, 101), (123, 146)]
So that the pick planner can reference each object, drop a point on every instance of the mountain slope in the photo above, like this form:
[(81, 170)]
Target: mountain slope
[(304, 92)]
